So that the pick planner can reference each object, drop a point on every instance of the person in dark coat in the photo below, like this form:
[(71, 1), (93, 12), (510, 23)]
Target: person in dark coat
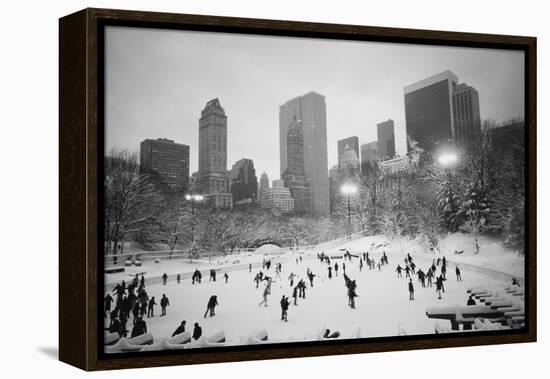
[(344, 267), (180, 329), (151, 307), (471, 300), (164, 302), (178, 278), (197, 331), (164, 279), (336, 269), (310, 276), (284, 308), (411, 290), (398, 270), (407, 272), (135, 310), (295, 295), (142, 281), (458, 274), (430, 276), (107, 304), (329, 272), (250, 267), (140, 327), (352, 295), (226, 277), (211, 306)]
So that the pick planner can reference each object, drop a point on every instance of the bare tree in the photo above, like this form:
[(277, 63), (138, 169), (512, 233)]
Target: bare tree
[(129, 198)]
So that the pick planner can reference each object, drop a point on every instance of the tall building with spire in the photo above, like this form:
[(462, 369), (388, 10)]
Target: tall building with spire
[(344, 144), (294, 176), (213, 175), (310, 110)]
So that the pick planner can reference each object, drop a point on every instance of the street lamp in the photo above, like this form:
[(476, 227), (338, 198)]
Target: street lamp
[(349, 190), (193, 198), (447, 158)]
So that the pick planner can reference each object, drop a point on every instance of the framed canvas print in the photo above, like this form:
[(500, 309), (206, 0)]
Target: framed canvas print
[(240, 189)]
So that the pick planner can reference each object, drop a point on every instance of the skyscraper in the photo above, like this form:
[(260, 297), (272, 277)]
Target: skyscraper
[(467, 119), (369, 154), (386, 140), (168, 161), (310, 109), (213, 176), (264, 184), (243, 182), (429, 110), (343, 144), (294, 176)]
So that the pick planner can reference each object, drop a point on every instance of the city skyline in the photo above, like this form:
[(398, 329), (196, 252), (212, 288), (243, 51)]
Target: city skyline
[(362, 83)]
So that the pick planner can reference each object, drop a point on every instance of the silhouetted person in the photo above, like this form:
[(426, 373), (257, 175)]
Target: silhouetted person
[(250, 267), (310, 276), (398, 270), (140, 327), (164, 302), (329, 272), (197, 331), (336, 269), (180, 329), (107, 304), (284, 308), (411, 290), (164, 279), (515, 282), (226, 277), (471, 300), (295, 295), (458, 276), (211, 306), (151, 307), (178, 278)]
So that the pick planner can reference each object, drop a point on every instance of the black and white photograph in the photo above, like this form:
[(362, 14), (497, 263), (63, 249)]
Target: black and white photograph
[(263, 189)]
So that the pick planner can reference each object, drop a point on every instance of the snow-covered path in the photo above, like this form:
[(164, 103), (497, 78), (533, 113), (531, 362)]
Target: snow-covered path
[(382, 309)]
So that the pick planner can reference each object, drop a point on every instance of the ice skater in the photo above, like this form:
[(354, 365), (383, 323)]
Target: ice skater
[(411, 290), (284, 308), (291, 278), (264, 297), (140, 327), (151, 307), (399, 269), (211, 306), (458, 274), (164, 279), (107, 304), (226, 277), (164, 302)]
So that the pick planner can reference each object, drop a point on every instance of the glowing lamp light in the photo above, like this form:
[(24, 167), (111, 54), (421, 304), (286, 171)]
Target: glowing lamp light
[(348, 189), (447, 159), (194, 197)]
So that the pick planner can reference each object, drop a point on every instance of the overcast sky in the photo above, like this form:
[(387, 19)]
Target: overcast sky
[(158, 81)]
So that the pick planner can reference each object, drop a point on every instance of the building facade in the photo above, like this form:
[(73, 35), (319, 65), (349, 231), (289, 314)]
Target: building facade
[(310, 109), (429, 110), (369, 154), (386, 139), (243, 182), (166, 160), (467, 118), (213, 175), (344, 144), (294, 176), (264, 184), (277, 198), (399, 165)]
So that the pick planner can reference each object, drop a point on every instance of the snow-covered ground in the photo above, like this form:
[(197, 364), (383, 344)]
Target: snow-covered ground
[(383, 307)]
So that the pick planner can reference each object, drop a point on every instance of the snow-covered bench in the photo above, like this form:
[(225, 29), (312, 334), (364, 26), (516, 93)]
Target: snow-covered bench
[(464, 315)]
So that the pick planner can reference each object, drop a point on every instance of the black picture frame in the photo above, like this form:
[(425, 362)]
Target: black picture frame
[(81, 39)]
